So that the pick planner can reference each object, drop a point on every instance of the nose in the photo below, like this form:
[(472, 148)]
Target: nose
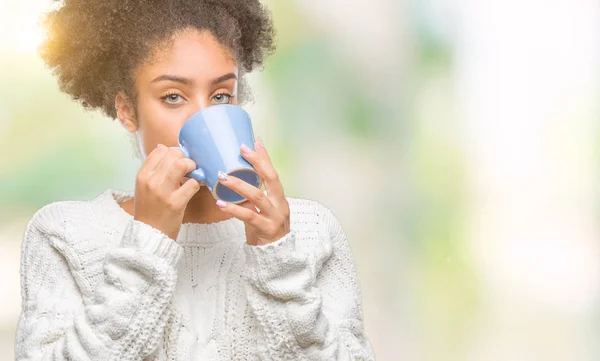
[(195, 108), (198, 105)]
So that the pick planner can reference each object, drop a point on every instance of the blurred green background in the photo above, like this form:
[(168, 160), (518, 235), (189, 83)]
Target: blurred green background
[(456, 141)]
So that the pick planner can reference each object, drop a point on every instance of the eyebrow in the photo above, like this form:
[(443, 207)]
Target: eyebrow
[(173, 78), (187, 81), (223, 78)]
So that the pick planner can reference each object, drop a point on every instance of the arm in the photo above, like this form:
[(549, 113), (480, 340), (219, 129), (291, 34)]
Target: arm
[(125, 315), (308, 302)]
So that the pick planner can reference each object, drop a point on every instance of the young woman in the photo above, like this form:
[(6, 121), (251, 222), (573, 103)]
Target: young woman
[(167, 272)]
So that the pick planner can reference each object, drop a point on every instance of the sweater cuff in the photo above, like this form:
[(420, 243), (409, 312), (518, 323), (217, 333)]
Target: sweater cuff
[(263, 260), (152, 241)]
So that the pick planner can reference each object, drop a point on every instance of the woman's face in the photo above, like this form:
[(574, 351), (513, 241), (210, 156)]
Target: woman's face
[(194, 73)]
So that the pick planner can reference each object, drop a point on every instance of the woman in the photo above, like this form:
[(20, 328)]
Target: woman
[(167, 273)]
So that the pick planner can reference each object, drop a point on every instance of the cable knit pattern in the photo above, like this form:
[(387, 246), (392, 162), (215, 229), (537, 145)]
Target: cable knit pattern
[(98, 285)]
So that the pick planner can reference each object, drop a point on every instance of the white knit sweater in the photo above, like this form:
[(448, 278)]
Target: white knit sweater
[(99, 285)]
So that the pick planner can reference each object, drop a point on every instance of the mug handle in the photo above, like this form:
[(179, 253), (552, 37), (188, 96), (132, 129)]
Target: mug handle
[(198, 173)]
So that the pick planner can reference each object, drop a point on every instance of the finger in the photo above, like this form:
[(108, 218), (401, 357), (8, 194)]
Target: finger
[(259, 147), (179, 168), (271, 178), (186, 192), (252, 194), (260, 160), (165, 165), (186, 179), (244, 214), (154, 158), (248, 205)]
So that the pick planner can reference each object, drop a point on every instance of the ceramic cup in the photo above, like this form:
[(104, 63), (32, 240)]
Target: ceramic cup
[(212, 138)]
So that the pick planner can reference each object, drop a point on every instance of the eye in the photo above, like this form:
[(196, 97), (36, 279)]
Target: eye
[(173, 99), (222, 98)]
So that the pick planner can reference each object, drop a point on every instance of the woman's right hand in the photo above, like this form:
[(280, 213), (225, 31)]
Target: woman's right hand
[(160, 198)]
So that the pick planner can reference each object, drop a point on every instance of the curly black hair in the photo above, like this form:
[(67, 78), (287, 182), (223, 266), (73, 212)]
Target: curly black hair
[(95, 46)]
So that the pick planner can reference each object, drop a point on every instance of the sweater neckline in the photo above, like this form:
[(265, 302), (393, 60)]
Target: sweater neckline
[(189, 233)]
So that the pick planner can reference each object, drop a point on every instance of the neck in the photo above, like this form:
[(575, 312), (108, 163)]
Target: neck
[(202, 208)]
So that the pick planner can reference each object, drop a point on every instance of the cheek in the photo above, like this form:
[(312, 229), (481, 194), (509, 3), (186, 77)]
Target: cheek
[(159, 128)]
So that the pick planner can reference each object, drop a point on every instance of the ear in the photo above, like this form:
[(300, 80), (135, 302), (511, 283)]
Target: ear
[(125, 112)]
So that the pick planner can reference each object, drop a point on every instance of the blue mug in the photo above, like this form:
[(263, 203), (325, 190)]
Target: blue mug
[(212, 138)]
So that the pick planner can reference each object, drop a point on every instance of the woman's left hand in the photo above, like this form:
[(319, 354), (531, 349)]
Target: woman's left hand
[(272, 219)]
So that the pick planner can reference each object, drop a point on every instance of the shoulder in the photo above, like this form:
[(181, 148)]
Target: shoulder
[(51, 218), (55, 218), (72, 232), (307, 207), (304, 212)]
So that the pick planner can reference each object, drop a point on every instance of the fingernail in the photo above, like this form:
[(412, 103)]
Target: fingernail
[(222, 176), (160, 145), (221, 204), (245, 148), (260, 142)]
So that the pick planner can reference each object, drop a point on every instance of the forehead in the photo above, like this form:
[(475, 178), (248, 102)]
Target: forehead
[(192, 54)]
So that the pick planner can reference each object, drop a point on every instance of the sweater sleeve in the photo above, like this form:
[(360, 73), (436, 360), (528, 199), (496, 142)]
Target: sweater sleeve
[(307, 300), (125, 314)]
